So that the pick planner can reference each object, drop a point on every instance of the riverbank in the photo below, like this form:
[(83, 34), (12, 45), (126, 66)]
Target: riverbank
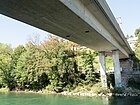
[(87, 94), (105, 93), (66, 93)]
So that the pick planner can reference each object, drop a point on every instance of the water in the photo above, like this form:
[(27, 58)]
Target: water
[(37, 99)]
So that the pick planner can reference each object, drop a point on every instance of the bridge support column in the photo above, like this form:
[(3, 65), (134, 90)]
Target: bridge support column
[(103, 69), (117, 72)]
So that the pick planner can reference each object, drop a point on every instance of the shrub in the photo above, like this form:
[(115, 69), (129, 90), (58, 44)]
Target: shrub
[(4, 90)]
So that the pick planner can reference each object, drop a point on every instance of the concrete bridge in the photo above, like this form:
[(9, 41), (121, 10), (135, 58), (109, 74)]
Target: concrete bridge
[(87, 22)]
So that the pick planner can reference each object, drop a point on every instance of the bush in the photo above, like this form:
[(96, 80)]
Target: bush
[(97, 88), (50, 88), (4, 90), (92, 88)]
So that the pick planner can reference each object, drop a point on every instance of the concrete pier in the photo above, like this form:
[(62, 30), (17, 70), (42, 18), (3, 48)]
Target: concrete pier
[(103, 69), (117, 72)]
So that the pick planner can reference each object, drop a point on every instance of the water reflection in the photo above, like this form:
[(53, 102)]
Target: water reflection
[(36, 99), (124, 101), (105, 100)]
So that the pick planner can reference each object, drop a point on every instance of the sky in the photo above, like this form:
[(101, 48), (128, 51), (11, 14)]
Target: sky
[(16, 33), (128, 10)]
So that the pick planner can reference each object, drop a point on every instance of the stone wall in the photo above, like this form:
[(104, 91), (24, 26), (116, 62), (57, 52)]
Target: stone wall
[(127, 75), (126, 64)]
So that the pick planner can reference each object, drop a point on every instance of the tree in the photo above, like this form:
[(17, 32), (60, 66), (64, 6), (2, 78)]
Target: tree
[(87, 65), (6, 66), (137, 31), (31, 69), (56, 64), (136, 57)]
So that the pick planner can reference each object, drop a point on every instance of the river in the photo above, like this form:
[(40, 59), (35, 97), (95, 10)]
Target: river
[(41, 99)]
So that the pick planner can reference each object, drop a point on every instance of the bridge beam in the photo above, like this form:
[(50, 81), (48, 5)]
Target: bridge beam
[(87, 22), (103, 69), (117, 72), (82, 9)]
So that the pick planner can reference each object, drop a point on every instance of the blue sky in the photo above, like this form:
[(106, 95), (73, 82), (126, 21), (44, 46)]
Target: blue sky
[(15, 33), (128, 10)]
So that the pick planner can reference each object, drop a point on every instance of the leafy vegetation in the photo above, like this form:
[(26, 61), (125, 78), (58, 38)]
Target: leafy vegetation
[(136, 57), (137, 33), (56, 64)]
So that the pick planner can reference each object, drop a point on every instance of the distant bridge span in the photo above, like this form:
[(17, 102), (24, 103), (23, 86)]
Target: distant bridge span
[(87, 22)]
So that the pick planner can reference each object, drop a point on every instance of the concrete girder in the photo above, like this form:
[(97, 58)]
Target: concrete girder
[(81, 20), (81, 10)]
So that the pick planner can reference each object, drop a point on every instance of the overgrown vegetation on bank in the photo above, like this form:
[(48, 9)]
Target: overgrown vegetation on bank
[(56, 65)]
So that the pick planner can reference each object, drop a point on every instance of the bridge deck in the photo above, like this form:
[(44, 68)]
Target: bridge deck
[(86, 23)]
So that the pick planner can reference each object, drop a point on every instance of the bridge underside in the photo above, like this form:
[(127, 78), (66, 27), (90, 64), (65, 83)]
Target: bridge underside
[(69, 19)]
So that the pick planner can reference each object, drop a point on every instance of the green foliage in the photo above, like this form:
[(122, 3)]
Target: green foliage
[(6, 66), (96, 88), (56, 65), (87, 58), (31, 69), (137, 32), (136, 57), (109, 62)]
